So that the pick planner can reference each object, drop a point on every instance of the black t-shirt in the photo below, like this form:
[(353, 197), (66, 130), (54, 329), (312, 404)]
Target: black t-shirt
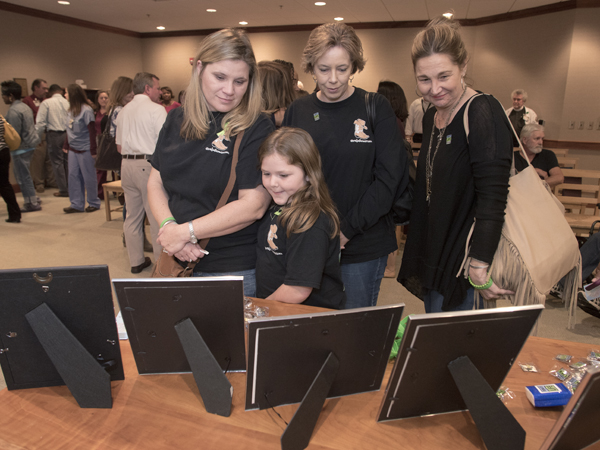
[(362, 169), (545, 160), (310, 259), (195, 174)]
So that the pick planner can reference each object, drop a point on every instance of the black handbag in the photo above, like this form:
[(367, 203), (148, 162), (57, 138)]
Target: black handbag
[(404, 195), (107, 156)]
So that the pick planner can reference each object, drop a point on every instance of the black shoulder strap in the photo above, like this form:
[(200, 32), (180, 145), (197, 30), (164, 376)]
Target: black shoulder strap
[(370, 105)]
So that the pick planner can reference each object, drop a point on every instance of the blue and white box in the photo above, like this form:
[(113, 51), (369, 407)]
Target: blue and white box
[(545, 395)]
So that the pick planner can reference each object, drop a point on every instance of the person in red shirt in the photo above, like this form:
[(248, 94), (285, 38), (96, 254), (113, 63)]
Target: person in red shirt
[(39, 89), (167, 100)]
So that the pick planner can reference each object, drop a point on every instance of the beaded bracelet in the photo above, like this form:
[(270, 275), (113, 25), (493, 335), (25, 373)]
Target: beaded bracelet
[(167, 220), (482, 287)]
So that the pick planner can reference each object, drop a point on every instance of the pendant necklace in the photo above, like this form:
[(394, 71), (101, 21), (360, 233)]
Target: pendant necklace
[(430, 159)]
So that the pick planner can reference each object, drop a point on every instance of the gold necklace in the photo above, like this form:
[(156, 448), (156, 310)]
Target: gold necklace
[(429, 161)]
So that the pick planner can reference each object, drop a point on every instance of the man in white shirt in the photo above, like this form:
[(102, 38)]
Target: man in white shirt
[(519, 115), (52, 118), (138, 125), (414, 122)]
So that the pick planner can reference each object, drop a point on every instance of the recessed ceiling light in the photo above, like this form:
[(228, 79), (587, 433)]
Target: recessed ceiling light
[(211, 10), (243, 22), (61, 2), (448, 15), (160, 28), (320, 3), (339, 18)]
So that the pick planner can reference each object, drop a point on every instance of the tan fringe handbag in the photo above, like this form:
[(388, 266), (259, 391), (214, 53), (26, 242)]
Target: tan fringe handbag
[(537, 246)]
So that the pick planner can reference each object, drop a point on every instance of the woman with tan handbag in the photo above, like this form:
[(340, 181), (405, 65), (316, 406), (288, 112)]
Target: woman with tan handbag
[(458, 180), (20, 117), (194, 161)]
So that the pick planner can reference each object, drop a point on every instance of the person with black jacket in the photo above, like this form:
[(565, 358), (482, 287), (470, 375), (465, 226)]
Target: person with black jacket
[(363, 164), (459, 180)]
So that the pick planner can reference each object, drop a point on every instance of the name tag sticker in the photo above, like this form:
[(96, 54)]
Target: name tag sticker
[(448, 139), (316, 116)]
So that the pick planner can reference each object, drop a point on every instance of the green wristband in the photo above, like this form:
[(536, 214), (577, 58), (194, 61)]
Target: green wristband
[(482, 287), (168, 219)]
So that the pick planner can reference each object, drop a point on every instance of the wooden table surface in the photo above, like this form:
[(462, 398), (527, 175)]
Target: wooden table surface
[(166, 412)]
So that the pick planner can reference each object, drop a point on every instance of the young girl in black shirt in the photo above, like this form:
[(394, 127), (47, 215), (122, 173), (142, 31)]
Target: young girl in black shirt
[(298, 240)]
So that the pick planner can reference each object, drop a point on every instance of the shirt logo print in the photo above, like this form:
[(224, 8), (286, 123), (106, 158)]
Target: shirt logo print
[(359, 127), (218, 143), (272, 235)]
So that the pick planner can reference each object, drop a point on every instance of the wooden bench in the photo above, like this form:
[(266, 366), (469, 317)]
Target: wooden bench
[(109, 188), (567, 163), (581, 200), (564, 152)]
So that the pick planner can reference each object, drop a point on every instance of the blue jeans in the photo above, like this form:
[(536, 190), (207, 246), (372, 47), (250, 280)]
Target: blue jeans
[(362, 282), (434, 300), (590, 257), (21, 165), (82, 179), (249, 279)]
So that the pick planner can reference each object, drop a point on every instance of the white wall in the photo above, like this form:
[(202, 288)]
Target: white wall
[(582, 90), (533, 54), (555, 57), (60, 53)]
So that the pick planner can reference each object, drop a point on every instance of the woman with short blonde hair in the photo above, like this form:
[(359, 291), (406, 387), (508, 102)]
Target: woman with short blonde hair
[(361, 154), (330, 35)]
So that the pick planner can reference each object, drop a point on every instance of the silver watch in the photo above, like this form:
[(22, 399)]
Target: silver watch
[(193, 238)]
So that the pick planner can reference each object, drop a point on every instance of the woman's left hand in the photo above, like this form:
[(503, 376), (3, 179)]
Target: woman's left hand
[(480, 277), (494, 292), (173, 237)]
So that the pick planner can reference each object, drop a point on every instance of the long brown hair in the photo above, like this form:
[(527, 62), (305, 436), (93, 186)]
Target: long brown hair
[(119, 90), (395, 95), (77, 98), (303, 208), (97, 106), (277, 90)]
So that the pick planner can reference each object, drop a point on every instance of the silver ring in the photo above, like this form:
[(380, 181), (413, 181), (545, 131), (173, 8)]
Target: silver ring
[(165, 251)]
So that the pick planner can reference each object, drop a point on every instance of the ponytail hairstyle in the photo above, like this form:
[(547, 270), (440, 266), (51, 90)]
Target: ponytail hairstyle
[(225, 44), (77, 99), (303, 208), (441, 35)]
